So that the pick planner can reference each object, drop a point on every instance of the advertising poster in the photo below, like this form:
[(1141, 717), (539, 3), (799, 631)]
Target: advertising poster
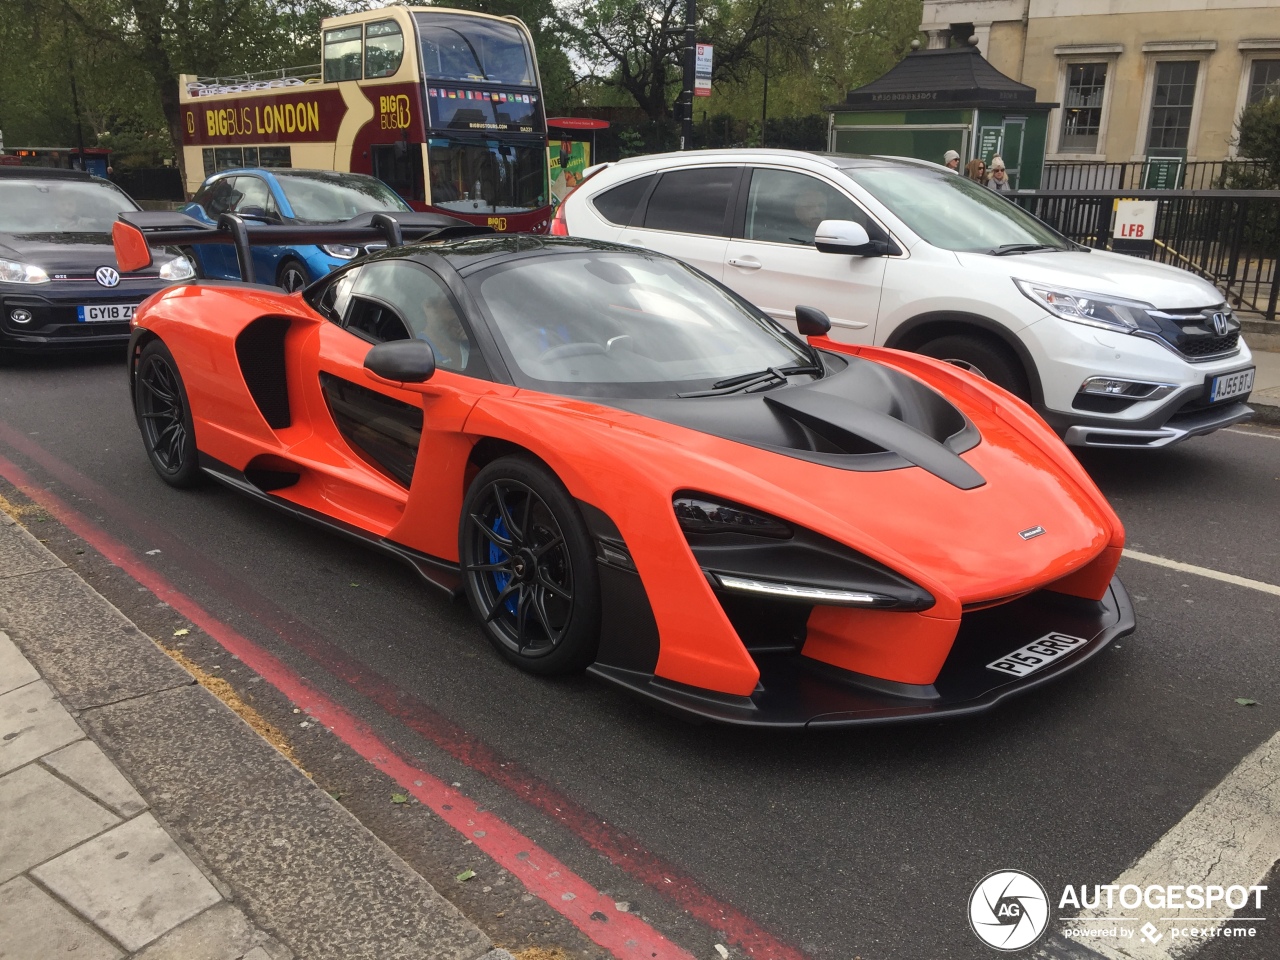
[(566, 161)]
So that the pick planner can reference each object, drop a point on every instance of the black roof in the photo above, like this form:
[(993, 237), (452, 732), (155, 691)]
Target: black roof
[(43, 173), (954, 77)]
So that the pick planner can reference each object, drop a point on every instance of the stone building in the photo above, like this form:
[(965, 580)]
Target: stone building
[(1135, 78)]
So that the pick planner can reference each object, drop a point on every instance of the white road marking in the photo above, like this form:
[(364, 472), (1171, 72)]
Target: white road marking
[(1230, 837), (1203, 571), (1254, 433)]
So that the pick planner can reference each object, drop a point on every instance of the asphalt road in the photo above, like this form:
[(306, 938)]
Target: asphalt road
[(859, 843)]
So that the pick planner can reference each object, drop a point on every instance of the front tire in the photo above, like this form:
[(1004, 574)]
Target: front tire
[(529, 567), (983, 357), (164, 417), (292, 276)]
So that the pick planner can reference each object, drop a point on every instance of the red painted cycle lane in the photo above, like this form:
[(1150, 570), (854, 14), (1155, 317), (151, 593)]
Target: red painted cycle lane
[(622, 933)]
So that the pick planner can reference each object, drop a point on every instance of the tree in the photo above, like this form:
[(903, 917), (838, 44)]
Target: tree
[(638, 45)]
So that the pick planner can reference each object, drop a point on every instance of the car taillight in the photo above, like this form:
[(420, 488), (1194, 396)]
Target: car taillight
[(558, 226)]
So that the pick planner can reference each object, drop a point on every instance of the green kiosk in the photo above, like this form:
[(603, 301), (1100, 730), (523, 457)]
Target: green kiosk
[(940, 100)]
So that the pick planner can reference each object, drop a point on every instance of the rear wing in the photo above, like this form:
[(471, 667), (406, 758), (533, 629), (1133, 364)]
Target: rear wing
[(137, 230)]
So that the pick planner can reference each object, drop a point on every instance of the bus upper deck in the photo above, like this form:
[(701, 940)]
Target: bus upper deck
[(445, 106)]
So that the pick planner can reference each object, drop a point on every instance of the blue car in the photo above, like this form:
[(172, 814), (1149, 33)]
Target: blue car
[(285, 195)]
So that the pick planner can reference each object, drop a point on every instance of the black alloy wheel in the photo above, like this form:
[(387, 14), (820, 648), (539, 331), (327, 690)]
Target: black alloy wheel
[(164, 417), (529, 567), (293, 276), (984, 357)]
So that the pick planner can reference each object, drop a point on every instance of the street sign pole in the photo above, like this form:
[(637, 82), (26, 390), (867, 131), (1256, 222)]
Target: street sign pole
[(686, 97)]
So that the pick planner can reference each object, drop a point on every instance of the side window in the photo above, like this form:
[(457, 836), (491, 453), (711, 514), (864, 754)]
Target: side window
[(383, 49), (342, 54), (422, 308), (693, 201), (784, 207), (619, 204), (218, 198), (255, 197), (383, 431)]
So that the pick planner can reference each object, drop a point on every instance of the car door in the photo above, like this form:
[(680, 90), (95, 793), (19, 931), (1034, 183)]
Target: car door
[(688, 215), (215, 260), (773, 263), (256, 203), (396, 434)]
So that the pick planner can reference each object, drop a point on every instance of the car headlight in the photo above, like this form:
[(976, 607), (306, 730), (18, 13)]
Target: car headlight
[(1091, 309), (179, 268), (703, 515), (343, 251), (11, 271)]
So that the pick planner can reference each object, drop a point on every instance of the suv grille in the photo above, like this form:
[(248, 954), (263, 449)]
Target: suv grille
[(1209, 346)]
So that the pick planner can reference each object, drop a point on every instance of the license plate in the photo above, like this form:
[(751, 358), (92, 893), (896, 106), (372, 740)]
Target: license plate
[(1033, 656), (100, 312), (1230, 385)]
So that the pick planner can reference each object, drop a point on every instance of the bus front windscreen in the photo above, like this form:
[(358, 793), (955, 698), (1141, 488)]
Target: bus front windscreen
[(487, 177), (470, 49)]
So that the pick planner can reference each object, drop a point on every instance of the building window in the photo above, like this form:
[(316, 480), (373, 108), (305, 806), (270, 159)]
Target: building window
[(1264, 80), (1082, 107), (1173, 96)]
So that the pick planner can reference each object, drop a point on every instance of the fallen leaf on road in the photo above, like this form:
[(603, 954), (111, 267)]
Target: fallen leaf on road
[(1246, 702), (181, 633), (466, 875), (399, 798)]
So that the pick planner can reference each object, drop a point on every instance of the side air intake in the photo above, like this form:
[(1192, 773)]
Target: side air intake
[(260, 351)]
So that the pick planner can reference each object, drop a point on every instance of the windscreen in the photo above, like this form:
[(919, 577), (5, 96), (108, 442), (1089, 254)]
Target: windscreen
[(463, 48), (954, 212), (621, 324), (330, 200), (486, 177), (60, 206)]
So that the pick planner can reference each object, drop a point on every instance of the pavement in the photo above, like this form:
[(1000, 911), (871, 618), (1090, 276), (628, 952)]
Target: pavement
[(142, 817), (1265, 398)]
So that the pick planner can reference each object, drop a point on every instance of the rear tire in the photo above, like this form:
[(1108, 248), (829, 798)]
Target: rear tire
[(529, 567), (984, 357), (164, 417)]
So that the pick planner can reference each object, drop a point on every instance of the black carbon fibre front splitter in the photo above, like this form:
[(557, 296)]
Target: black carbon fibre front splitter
[(795, 691)]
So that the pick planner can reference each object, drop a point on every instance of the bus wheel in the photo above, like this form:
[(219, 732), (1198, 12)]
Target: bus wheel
[(293, 276)]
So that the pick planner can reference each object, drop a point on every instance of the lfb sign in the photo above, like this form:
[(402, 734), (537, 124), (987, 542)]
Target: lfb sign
[(1135, 226)]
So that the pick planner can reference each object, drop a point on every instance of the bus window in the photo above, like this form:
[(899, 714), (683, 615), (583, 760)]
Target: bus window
[(383, 49), (342, 54), (471, 48), (487, 178), (399, 166), (275, 157)]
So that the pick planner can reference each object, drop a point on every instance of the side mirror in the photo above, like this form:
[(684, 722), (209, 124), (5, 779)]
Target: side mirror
[(812, 322), (844, 236), (401, 361)]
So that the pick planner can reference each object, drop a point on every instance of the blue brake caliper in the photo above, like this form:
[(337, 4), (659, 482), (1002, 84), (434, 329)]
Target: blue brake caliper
[(497, 555)]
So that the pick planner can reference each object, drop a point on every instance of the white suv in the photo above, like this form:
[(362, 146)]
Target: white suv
[(1111, 350)]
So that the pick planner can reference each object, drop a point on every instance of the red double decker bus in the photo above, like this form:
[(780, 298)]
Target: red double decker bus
[(445, 106)]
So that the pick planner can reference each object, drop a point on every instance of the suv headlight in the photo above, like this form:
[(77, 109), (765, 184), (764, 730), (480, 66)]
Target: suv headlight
[(179, 268), (1091, 309), (342, 251), (11, 271)]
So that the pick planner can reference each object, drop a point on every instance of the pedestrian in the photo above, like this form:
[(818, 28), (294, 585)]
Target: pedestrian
[(999, 181), (977, 171), (952, 160)]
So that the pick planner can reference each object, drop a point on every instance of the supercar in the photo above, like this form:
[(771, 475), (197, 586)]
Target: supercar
[(628, 468)]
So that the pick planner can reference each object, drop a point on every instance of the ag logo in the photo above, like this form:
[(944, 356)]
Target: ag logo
[(1008, 910)]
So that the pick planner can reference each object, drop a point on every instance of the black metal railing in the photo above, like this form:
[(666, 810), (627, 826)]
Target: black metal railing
[(1157, 173), (1229, 237)]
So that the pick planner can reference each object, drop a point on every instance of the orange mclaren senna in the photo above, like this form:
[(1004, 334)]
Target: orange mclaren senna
[(629, 469)]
